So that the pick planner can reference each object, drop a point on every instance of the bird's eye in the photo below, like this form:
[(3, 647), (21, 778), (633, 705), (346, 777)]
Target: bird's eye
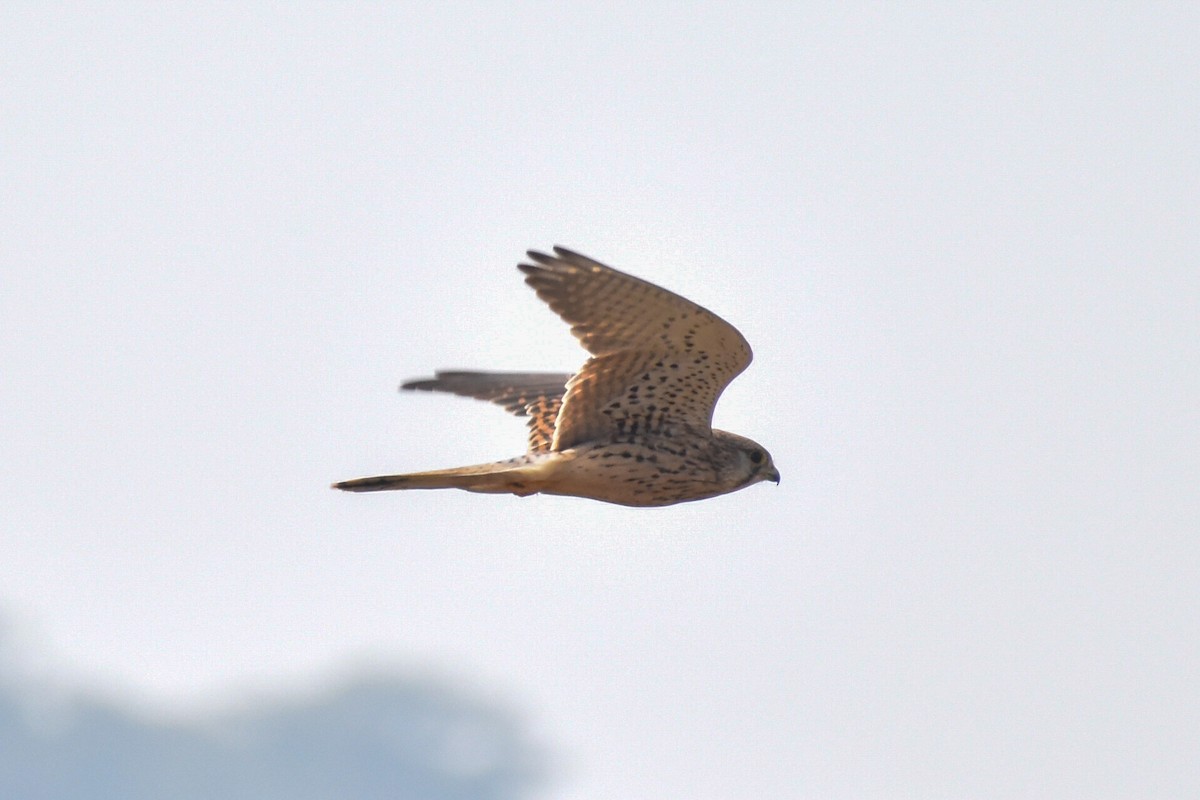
[(756, 456)]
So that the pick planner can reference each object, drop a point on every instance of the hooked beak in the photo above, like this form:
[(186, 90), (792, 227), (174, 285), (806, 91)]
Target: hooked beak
[(772, 475)]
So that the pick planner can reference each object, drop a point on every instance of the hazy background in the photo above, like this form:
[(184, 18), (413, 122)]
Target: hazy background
[(962, 238)]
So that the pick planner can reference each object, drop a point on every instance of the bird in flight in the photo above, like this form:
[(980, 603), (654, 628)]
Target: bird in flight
[(634, 425)]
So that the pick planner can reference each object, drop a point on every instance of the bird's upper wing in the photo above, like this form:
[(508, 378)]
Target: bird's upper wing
[(537, 395), (658, 361)]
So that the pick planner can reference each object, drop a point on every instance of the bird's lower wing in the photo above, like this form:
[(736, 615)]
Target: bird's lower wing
[(536, 395)]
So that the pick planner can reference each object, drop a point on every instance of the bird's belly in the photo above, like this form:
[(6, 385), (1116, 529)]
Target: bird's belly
[(632, 474)]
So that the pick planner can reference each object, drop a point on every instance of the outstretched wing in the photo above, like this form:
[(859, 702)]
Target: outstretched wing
[(537, 395), (659, 362)]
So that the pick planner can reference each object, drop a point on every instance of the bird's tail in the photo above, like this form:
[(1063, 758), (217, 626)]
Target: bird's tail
[(514, 476)]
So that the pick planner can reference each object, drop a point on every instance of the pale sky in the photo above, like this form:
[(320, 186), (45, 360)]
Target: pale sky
[(962, 239)]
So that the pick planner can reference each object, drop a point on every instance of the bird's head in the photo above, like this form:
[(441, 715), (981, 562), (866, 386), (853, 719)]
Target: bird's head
[(751, 461)]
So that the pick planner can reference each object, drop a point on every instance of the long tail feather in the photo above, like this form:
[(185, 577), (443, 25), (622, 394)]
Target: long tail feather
[(499, 477)]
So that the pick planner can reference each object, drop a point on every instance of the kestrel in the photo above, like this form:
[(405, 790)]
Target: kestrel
[(634, 425)]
